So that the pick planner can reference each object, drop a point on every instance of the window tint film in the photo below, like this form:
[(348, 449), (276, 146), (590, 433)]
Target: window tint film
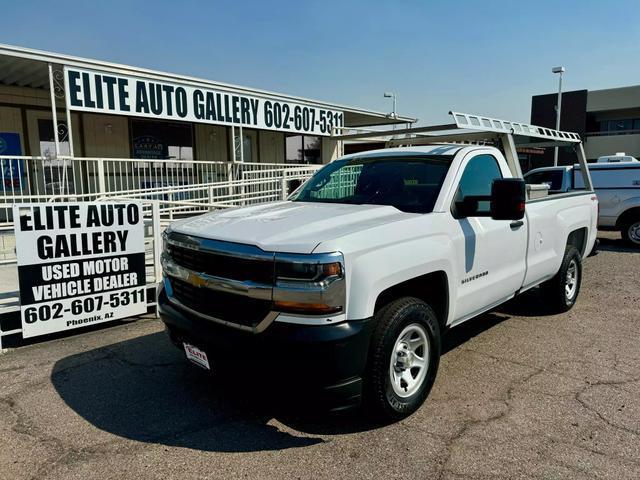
[(551, 178), (477, 178), (410, 184)]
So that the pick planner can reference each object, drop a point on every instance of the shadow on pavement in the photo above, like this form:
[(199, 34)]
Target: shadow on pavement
[(144, 390), (531, 303), (615, 245), (461, 334)]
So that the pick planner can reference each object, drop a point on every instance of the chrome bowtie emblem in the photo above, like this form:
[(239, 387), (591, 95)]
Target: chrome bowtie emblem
[(196, 280)]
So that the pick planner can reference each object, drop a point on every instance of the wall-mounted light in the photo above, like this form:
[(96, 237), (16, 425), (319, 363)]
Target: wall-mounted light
[(108, 128)]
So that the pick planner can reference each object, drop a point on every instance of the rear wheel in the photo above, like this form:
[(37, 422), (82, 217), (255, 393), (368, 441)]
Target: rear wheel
[(631, 232), (562, 290), (403, 358)]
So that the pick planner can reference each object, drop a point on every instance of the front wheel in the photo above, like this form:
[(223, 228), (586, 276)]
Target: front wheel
[(631, 233), (562, 290), (403, 358)]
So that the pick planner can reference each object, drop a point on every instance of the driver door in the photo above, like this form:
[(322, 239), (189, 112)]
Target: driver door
[(490, 254)]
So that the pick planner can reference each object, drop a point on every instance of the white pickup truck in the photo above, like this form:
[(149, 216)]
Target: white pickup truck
[(346, 288)]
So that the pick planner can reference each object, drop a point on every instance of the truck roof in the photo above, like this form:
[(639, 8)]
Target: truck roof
[(444, 149)]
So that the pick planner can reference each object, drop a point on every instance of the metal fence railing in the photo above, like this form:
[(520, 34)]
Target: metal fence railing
[(181, 186)]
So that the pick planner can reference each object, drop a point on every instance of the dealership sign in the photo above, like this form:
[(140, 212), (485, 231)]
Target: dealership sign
[(79, 264), (103, 92)]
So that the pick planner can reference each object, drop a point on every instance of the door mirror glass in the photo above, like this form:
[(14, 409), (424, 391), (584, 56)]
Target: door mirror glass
[(473, 197), (508, 198)]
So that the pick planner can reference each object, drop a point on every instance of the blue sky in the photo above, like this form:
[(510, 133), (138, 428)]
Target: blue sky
[(484, 57)]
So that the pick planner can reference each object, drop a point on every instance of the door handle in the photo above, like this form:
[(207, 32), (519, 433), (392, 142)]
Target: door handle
[(517, 224)]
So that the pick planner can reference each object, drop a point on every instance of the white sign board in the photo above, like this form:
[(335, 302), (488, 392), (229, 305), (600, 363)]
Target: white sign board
[(79, 264), (105, 92)]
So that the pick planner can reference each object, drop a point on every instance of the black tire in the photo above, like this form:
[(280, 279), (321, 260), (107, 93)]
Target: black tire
[(631, 232), (391, 320), (556, 292)]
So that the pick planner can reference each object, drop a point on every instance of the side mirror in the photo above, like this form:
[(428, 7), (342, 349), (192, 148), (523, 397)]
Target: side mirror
[(469, 206), (508, 198)]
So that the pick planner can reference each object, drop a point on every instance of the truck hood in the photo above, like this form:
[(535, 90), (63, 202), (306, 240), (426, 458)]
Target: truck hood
[(295, 227)]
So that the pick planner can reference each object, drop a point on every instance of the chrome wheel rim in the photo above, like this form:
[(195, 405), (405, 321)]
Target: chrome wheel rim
[(571, 283), (634, 232), (409, 360)]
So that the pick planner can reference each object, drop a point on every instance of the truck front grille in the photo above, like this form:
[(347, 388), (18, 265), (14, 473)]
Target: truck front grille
[(224, 266), (224, 306)]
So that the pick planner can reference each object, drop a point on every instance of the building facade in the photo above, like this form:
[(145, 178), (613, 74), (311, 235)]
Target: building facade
[(78, 129), (55, 106), (608, 121)]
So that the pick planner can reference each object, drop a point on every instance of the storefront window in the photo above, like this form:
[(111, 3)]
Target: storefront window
[(615, 126), (312, 149), (161, 140), (303, 149), (163, 148), (247, 148), (58, 178), (294, 149), (620, 125), (47, 138)]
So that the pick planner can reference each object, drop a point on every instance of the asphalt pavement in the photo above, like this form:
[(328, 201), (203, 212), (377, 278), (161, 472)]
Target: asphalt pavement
[(520, 394)]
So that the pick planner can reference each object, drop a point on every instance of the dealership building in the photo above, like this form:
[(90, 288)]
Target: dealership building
[(607, 120), (109, 111)]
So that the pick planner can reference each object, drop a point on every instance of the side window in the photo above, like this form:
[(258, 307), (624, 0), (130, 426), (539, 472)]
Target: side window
[(476, 180), (551, 178)]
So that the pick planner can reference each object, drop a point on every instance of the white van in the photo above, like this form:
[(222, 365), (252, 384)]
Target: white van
[(619, 157)]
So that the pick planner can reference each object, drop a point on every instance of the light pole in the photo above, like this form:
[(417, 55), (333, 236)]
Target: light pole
[(392, 95), (559, 70)]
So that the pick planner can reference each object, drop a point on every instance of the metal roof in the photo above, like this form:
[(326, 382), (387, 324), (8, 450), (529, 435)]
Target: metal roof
[(23, 72), (27, 67)]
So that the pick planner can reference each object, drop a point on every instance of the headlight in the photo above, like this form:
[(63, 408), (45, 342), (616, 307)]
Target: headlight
[(307, 272), (309, 284)]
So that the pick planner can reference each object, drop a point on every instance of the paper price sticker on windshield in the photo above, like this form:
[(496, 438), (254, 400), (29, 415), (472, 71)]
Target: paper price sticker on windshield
[(79, 264)]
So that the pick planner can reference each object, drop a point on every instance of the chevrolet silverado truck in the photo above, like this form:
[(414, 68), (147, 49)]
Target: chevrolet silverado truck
[(617, 185), (345, 289)]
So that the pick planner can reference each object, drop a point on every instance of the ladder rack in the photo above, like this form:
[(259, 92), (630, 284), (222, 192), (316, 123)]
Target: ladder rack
[(468, 128)]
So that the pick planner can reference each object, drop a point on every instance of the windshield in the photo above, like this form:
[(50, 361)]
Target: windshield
[(409, 183)]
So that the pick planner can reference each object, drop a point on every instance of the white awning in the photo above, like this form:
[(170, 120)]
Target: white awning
[(26, 67)]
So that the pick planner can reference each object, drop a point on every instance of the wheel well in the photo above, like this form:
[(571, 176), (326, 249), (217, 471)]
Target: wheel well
[(627, 216), (432, 288), (578, 239)]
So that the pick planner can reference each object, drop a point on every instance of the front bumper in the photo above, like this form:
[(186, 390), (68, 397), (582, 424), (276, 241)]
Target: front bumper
[(323, 364)]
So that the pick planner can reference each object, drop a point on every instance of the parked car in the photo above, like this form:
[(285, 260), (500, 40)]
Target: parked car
[(617, 186), (346, 288)]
